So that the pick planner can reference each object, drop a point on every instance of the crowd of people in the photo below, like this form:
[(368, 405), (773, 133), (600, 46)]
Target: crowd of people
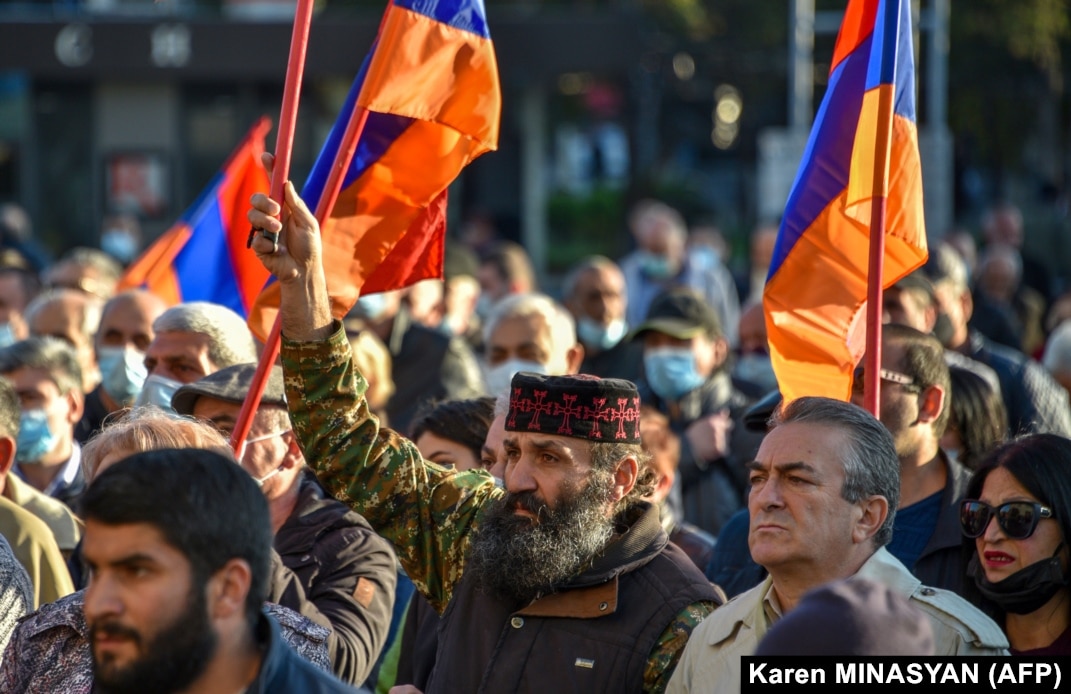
[(479, 484)]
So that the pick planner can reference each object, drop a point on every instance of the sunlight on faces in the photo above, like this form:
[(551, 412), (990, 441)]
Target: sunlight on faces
[(798, 516), (128, 321), (141, 634), (180, 356), (525, 337), (1000, 555), (541, 466), (899, 404), (446, 452), (37, 391), (266, 444), (600, 295), (62, 317), (907, 308), (555, 517)]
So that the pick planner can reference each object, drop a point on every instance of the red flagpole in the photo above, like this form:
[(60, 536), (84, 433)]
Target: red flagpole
[(284, 144), (882, 147), (332, 187)]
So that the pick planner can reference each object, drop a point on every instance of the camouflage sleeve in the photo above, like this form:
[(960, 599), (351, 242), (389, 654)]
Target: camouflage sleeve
[(671, 643), (426, 511)]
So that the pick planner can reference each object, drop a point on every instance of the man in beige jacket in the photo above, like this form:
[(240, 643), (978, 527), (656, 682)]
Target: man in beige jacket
[(823, 491), (31, 538)]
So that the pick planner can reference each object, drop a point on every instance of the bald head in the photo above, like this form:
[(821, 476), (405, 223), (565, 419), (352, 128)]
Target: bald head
[(72, 316), (127, 319)]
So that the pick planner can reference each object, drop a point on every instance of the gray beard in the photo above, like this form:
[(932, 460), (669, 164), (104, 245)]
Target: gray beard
[(518, 559)]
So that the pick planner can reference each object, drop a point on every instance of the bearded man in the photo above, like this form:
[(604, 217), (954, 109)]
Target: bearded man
[(564, 580)]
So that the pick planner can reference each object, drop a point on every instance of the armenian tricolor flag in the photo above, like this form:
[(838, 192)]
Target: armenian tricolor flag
[(203, 257), (861, 159), (430, 86)]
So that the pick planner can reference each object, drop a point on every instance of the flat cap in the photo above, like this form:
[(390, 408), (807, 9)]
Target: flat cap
[(230, 384)]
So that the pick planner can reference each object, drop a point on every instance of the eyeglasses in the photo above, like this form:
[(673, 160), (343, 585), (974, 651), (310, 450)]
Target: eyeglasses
[(1018, 519), (886, 375)]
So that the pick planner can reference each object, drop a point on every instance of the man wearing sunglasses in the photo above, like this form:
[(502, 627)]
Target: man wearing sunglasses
[(914, 407), (824, 487)]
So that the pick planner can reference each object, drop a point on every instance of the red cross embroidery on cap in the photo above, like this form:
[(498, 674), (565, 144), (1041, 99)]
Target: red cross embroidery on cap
[(623, 414), (568, 411), (597, 415), (514, 408)]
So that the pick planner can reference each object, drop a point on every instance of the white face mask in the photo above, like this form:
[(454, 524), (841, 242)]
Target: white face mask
[(256, 439), (499, 377), (261, 480)]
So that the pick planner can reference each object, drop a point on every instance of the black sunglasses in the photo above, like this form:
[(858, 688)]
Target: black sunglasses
[(1018, 519)]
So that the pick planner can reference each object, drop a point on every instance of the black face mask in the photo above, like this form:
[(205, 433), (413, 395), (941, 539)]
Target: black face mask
[(1026, 590)]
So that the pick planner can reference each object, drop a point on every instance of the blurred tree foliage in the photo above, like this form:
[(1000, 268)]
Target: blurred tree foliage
[(1007, 64)]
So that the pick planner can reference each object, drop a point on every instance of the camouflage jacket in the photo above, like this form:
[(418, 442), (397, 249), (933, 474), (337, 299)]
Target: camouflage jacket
[(428, 512)]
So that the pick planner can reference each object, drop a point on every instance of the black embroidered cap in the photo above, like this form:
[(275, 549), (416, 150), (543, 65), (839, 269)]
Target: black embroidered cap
[(579, 406)]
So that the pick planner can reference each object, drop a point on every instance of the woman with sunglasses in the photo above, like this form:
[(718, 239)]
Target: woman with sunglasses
[(1016, 522)]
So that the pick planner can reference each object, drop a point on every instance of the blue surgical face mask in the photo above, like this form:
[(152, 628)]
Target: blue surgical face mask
[(656, 266), (499, 377), (7, 335), (599, 336), (119, 244), (706, 257), (671, 371), (122, 373), (158, 391), (256, 439), (756, 368), (36, 439)]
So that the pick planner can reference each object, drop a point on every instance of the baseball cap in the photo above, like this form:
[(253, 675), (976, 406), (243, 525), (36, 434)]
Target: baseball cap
[(681, 313)]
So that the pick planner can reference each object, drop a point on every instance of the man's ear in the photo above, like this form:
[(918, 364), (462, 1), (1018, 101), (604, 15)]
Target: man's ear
[(227, 590), (931, 403), (7, 456), (573, 358), (294, 456), (873, 512), (625, 478), (76, 403)]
